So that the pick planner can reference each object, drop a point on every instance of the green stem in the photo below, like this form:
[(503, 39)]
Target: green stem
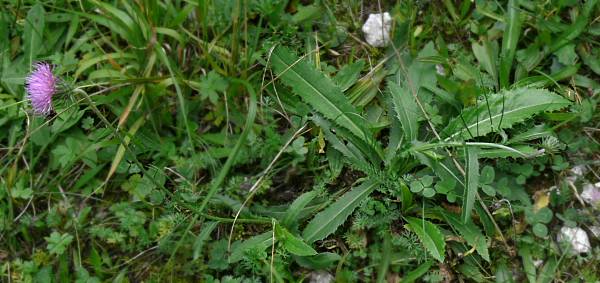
[(216, 184)]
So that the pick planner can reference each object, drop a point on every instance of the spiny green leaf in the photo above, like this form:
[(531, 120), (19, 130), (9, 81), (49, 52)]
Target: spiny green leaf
[(348, 74), (320, 92), (502, 110), (406, 110), (430, 236), (261, 241), (471, 233), (354, 148), (328, 220), (291, 215), (292, 243)]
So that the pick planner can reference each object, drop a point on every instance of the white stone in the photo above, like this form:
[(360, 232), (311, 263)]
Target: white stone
[(320, 277), (577, 237), (591, 194), (377, 29)]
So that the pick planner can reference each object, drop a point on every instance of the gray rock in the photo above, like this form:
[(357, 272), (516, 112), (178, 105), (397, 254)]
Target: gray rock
[(577, 238)]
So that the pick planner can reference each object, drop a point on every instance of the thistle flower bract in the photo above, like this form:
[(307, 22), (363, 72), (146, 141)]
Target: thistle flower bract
[(41, 86)]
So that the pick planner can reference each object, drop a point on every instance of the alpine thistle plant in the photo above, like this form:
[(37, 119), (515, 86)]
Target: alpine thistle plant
[(41, 86)]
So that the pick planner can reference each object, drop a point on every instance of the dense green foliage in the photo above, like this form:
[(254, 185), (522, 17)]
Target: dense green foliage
[(265, 141)]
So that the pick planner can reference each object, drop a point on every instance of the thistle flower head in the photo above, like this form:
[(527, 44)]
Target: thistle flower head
[(41, 86)]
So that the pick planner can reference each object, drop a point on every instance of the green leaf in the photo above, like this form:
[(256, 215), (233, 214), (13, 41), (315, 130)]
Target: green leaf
[(486, 54), (502, 110), (292, 214), (503, 274), (540, 230), (319, 261), (415, 274), (575, 29), (487, 175), (328, 220), (320, 92), (528, 265), (566, 55), (292, 243), (261, 242), (207, 228), (355, 150), (58, 243), (470, 232), (510, 38), (348, 75), (536, 132), (547, 273), (430, 236), (33, 33), (471, 182), (406, 110)]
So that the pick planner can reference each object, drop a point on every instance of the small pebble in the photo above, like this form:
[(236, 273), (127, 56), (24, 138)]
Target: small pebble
[(377, 29)]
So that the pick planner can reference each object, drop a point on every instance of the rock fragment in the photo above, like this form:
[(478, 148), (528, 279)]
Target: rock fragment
[(377, 29)]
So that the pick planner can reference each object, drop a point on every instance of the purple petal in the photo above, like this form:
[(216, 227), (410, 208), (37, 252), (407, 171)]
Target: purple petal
[(41, 86)]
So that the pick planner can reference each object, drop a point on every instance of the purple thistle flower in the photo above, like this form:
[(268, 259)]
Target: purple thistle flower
[(41, 86)]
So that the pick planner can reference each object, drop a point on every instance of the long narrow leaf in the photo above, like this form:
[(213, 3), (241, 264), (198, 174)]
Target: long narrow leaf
[(510, 38), (502, 110), (328, 220), (470, 232), (471, 182), (34, 31), (319, 92), (406, 110), (430, 236)]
